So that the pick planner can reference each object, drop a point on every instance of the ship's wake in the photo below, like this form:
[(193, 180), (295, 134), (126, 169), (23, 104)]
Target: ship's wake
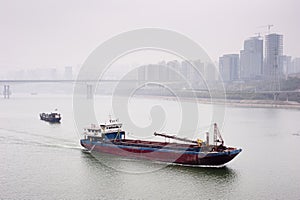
[(37, 140)]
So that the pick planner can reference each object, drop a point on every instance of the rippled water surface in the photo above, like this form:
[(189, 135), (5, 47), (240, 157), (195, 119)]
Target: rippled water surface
[(39, 160)]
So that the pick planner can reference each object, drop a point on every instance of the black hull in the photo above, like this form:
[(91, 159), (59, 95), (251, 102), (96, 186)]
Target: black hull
[(216, 161), (50, 119)]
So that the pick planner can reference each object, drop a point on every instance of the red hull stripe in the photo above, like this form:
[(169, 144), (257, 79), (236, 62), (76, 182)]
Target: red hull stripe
[(163, 154)]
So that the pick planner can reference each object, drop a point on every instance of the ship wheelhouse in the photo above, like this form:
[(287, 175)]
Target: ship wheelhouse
[(111, 130)]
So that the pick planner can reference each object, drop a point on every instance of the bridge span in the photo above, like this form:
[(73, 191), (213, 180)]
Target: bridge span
[(91, 83)]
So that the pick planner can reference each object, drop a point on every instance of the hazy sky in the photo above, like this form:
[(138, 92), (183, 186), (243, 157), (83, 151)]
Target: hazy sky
[(54, 33)]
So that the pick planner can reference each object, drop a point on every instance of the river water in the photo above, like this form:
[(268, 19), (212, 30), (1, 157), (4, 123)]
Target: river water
[(39, 160)]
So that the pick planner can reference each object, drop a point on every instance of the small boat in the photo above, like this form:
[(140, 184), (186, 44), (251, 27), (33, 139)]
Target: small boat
[(53, 117), (109, 138)]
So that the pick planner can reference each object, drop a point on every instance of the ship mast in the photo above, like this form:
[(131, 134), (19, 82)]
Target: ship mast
[(217, 135)]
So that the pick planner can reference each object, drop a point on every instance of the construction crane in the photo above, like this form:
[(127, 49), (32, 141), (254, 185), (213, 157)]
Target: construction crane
[(269, 26)]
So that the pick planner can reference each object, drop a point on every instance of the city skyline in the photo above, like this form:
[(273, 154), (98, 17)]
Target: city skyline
[(262, 58), (254, 61), (42, 34)]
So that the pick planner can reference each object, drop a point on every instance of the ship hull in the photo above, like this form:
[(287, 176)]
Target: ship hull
[(50, 119), (185, 156)]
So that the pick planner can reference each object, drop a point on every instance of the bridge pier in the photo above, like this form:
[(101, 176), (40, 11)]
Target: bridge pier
[(275, 96), (6, 92), (89, 91)]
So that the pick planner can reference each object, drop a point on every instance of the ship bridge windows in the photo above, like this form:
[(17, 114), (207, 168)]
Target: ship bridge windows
[(113, 127), (94, 131)]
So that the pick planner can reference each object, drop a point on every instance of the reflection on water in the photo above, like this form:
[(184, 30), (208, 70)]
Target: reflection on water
[(178, 181), (124, 165), (34, 153), (223, 174), (135, 166)]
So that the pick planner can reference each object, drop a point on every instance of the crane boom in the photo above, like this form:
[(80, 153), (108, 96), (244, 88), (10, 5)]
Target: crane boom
[(269, 26), (175, 137)]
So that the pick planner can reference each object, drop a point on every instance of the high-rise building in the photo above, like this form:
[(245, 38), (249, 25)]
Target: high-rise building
[(193, 72), (273, 51), (286, 62), (142, 73), (229, 67), (296, 65), (53, 73), (210, 72), (174, 70), (68, 74), (199, 67), (197, 75), (163, 71), (251, 59), (152, 72), (185, 70)]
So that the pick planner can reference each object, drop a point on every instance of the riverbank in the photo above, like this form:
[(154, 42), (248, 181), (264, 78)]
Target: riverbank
[(228, 102), (236, 103), (261, 104)]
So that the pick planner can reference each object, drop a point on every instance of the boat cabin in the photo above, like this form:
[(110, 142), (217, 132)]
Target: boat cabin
[(110, 130)]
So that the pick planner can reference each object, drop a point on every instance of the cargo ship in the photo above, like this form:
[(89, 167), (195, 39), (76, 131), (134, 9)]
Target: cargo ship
[(53, 117), (109, 138)]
